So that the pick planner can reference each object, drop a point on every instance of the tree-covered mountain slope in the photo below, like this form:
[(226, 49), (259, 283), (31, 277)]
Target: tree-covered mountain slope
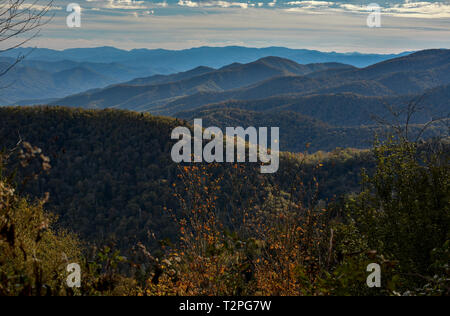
[(269, 77), (145, 93), (112, 176)]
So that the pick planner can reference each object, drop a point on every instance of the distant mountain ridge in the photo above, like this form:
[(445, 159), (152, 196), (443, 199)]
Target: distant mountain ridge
[(160, 90), (269, 77), (215, 57), (25, 82), (340, 109), (116, 65), (327, 104), (34, 80)]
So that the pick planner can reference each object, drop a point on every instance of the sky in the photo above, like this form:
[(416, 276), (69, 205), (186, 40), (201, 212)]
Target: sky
[(339, 26)]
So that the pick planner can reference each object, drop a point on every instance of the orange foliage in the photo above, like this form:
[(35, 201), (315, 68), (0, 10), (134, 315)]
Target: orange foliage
[(278, 248)]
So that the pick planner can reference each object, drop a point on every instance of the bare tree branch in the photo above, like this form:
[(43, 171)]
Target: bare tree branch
[(401, 119), (20, 21)]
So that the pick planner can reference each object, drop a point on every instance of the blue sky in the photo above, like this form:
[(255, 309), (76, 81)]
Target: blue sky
[(323, 25)]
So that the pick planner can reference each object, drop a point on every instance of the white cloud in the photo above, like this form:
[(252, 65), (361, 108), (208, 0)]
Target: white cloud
[(424, 10), (188, 3), (220, 4), (161, 4), (226, 4), (420, 9), (334, 31), (311, 3), (38, 7), (125, 4)]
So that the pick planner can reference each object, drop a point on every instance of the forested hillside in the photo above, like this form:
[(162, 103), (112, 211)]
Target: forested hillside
[(299, 133), (212, 229), (111, 171), (112, 174)]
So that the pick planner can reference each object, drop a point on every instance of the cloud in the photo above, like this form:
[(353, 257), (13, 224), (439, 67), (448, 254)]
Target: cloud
[(125, 4), (322, 25), (188, 3), (226, 4), (161, 4), (424, 10), (117, 5), (219, 4), (311, 3), (420, 9), (38, 7)]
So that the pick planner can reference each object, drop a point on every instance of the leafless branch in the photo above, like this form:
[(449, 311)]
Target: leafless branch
[(401, 119), (21, 20)]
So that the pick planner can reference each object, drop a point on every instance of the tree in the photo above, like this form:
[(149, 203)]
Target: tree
[(403, 211), (33, 255), (20, 22)]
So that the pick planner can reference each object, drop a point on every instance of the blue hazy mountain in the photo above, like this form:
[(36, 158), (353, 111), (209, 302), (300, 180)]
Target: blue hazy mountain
[(43, 80), (145, 94), (36, 78), (269, 77), (178, 60)]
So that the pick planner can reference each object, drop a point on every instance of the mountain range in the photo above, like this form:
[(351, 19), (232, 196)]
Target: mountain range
[(186, 59), (32, 80), (274, 82), (328, 104), (82, 69), (150, 94), (268, 77)]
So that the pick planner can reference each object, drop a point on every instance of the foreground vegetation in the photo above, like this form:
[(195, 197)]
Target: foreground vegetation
[(233, 231)]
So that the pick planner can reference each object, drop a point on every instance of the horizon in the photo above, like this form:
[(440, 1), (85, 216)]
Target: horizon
[(338, 26), (232, 46)]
